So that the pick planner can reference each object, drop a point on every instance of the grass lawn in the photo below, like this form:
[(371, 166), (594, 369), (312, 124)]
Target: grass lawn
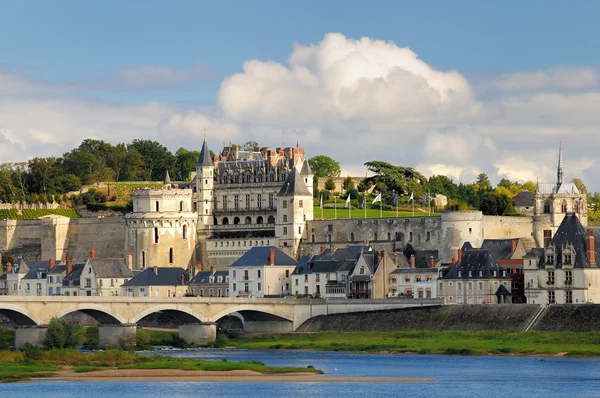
[(342, 212), (433, 342)]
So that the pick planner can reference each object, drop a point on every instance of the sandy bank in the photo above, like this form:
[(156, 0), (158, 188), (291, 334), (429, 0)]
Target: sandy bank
[(245, 376)]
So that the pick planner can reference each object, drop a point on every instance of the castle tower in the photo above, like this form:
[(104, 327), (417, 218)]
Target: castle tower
[(307, 174), (294, 207), (204, 188), (161, 230)]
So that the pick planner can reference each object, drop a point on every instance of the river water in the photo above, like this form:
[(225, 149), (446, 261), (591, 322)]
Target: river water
[(454, 376)]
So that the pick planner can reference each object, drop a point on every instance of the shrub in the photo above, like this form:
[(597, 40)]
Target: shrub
[(32, 352), (62, 334)]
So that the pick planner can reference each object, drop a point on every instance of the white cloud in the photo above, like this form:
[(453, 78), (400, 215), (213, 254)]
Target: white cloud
[(355, 100)]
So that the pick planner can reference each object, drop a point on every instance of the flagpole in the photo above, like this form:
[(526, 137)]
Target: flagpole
[(335, 207), (396, 204), (429, 193), (381, 206), (365, 203), (349, 206), (412, 199)]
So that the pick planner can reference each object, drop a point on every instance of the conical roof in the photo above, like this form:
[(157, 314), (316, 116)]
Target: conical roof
[(167, 178), (306, 170), (204, 159), (294, 185)]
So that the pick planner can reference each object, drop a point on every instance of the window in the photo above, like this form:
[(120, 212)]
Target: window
[(58, 290), (224, 202), (271, 201), (170, 255), (50, 279), (287, 273), (112, 283), (88, 282), (375, 236), (297, 281), (428, 236), (284, 204), (551, 297), (568, 297), (247, 201), (284, 231), (410, 236), (351, 237), (185, 232), (551, 278), (233, 274), (299, 230), (211, 292), (568, 277), (181, 206), (547, 207), (259, 201), (547, 237), (459, 286), (317, 277), (567, 259), (563, 206), (362, 270), (407, 279), (236, 202), (246, 287), (157, 206), (575, 207), (470, 286), (480, 286), (285, 218), (300, 203), (306, 290), (259, 287), (459, 300), (155, 235), (50, 291), (258, 273), (246, 275), (234, 288)]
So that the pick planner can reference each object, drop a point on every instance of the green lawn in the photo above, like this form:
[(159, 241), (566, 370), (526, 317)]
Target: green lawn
[(342, 212), (433, 342)]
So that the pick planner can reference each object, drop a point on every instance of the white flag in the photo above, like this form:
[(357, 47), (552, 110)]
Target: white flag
[(348, 201), (377, 199), (321, 201), (411, 196)]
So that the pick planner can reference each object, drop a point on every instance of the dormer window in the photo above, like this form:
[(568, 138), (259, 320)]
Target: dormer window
[(494, 273), (362, 270), (459, 273), (470, 274), (550, 259), (480, 273)]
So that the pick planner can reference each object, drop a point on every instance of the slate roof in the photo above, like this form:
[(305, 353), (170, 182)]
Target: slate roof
[(294, 185), (164, 276), (524, 199), (37, 269), (500, 249), (571, 232), (475, 261), (502, 291), (58, 269), (204, 277), (330, 261), (74, 278), (306, 170), (551, 188), (259, 255), (204, 159), (432, 271), (110, 268)]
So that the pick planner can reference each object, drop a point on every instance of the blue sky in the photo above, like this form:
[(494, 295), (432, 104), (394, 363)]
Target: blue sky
[(129, 60)]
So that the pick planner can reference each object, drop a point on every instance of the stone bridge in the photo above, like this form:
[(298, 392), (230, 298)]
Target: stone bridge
[(118, 316)]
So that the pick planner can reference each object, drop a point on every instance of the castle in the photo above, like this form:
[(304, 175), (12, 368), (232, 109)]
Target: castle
[(242, 199)]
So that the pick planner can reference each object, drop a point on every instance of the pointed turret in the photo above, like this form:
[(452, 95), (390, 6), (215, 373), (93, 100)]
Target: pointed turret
[(167, 179), (559, 173), (306, 170), (204, 159), (294, 186)]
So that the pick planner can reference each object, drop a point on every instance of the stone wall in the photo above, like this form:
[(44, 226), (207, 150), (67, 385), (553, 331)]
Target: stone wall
[(455, 317), (498, 227), (569, 318)]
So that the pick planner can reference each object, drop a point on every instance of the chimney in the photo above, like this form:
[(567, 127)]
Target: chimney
[(51, 263), (155, 269), (459, 255), (591, 246), (69, 266), (198, 266), (431, 262), (412, 261), (453, 260), (513, 246), (378, 257), (8, 267), (92, 253), (182, 279), (272, 256), (323, 248), (213, 269), (129, 260)]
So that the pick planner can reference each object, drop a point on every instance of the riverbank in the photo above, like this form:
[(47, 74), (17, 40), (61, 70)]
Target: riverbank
[(429, 342), (37, 363)]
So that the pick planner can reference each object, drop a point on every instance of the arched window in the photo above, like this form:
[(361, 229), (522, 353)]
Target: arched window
[(329, 238), (351, 237), (563, 206), (248, 220), (156, 205), (185, 232), (225, 221), (410, 236), (313, 238), (259, 220), (155, 235), (428, 236), (389, 236), (236, 220), (170, 255), (215, 221), (576, 207), (143, 255), (271, 220), (547, 207), (181, 206)]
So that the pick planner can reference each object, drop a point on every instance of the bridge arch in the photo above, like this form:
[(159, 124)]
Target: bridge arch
[(183, 313), (19, 315), (104, 315), (251, 313)]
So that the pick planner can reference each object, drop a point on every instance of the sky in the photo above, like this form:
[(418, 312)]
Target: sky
[(454, 88)]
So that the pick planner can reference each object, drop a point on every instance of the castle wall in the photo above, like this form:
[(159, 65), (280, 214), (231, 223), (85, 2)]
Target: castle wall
[(224, 252), (15, 234), (458, 227), (105, 235), (498, 227)]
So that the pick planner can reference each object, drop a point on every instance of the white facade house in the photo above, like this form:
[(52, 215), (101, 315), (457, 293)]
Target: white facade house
[(261, 272), (414, 283)]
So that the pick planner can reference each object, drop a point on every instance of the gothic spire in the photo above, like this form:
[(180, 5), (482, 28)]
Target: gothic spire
[(204, 159), (559, 173)]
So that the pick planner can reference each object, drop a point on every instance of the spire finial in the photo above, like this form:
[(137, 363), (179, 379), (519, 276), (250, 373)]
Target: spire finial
[(559, 173)]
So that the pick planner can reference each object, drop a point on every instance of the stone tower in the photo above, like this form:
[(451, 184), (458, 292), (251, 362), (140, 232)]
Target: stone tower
[(294, 208), (204, 200)]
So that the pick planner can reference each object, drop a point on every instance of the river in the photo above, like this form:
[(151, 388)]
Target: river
[(454, 376)]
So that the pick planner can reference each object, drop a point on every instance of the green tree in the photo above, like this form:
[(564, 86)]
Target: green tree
[(495, 204), (529, 186), (483, 181), (185, 163), (579, 184), (62, 334), (250, 146), (330, 184), (324, 166), (348, 183), (388, 178), (442, 185), (157, 159), (68, 183), (123, 161)]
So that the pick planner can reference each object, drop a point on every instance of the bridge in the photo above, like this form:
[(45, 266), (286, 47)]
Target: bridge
[(118, 316)]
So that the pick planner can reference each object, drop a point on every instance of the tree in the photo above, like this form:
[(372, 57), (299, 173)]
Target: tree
[(348, 184), (483, 181), (495, 204), (250, 146), (185, 163), (579, 184), (157, 159), (324, 166), (330, 184), (528, 186), (389, 178), (442, 185)]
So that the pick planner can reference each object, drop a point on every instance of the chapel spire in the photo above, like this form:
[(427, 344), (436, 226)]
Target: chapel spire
[(559, 173)]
